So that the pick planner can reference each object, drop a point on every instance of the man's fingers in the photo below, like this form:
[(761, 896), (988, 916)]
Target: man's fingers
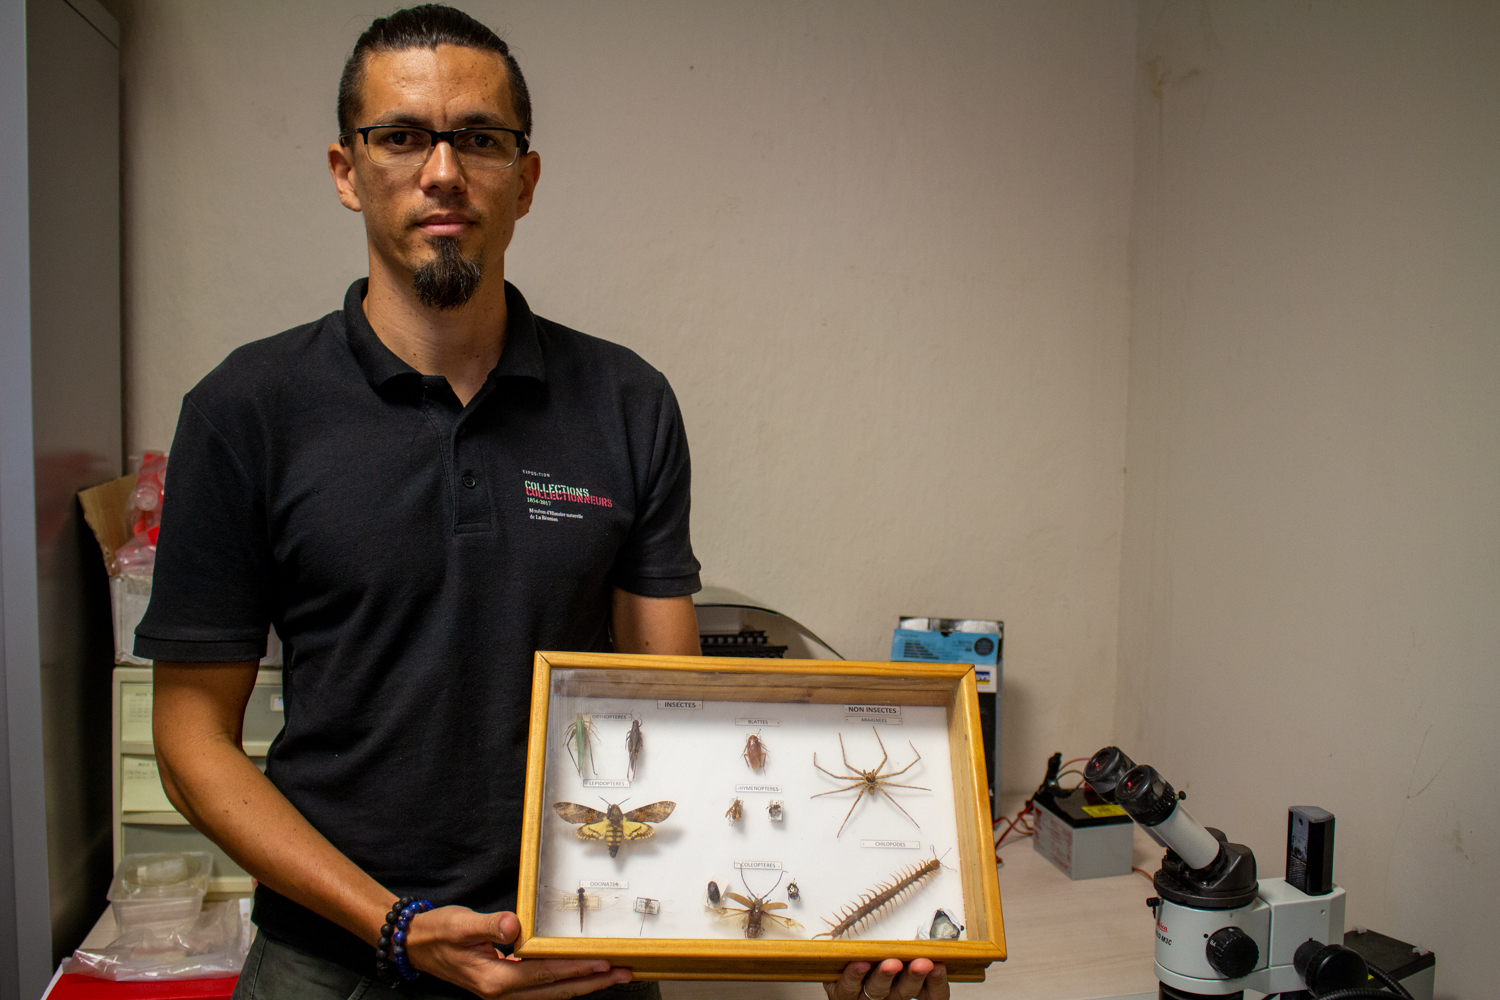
[(910, 982), (878, 985), (846, 987), (564, 987), (937, 982)]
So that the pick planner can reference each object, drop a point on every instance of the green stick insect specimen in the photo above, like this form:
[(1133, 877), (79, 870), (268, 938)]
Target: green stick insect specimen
[(579, 744)]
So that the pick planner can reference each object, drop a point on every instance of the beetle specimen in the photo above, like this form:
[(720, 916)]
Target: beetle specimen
[(579, 744), (944, 927), (886, 894), (613, 826), (634, 742), (714, 898), (755, 752), (579, 899), (735, 810), (871, 782), (756, 911), (773, 809), (792, 892)]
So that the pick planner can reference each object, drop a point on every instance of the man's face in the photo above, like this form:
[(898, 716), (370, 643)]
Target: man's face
[(423, 219)]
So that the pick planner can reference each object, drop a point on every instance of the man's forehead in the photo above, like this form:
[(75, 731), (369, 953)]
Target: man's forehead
[(452, 84)]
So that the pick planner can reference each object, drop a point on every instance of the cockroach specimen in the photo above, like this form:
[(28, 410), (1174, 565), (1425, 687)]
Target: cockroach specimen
[(735, 810), (756, 910), (614, 826), (755, 752), (579, 745), (580, 899), (792, 892), (774, 810), (885, 895), (634, 742), (871, 782)]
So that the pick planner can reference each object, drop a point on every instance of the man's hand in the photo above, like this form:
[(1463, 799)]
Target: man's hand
[(922, 979), (458, 945)]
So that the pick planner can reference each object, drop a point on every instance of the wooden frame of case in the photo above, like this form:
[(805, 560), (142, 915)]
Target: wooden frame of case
[(788, 681)]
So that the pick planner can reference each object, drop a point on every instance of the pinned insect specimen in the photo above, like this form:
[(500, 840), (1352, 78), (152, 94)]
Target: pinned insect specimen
[(634, 743), (887, 894), (579, 744), (773, 808), (613, 826), (735, 810), (944, 927), (715, 900), (792, 892), (646, 907), (579, 899), (871, 782), (756, 912), (755, 753)]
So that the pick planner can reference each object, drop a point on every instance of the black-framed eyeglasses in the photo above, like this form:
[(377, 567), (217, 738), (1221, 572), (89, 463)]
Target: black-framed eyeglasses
[(487, 148)]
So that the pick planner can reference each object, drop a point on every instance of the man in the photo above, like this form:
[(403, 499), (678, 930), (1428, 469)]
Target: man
[(367, 484)]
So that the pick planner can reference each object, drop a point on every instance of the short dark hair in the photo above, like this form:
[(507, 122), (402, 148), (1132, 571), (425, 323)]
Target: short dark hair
[(426, 27)]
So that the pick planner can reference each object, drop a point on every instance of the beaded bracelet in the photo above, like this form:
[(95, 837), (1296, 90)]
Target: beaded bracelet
[(391, 963)]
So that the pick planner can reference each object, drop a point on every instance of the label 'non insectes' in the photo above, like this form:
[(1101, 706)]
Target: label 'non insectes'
[(900, 845), (888, 715), (669, 703)]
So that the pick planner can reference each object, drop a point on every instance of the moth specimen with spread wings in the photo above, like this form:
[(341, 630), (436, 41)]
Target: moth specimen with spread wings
[(614, 826)]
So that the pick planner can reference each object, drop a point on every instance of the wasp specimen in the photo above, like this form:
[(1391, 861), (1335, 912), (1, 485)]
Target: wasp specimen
[(735, 810), (634, 743), (579, 899), (579, 744), (792, 892), (944, 927), (614, 826), (774, 810), (755, 752), (885, 895), (756, 912), (872, 782)]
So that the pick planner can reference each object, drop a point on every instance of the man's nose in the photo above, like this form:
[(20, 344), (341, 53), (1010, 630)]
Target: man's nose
[(442, 169)]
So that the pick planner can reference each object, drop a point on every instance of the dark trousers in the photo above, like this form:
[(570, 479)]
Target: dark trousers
[(276, 971)]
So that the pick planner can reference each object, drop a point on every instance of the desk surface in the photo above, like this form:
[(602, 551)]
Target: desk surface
[(1066, 940)]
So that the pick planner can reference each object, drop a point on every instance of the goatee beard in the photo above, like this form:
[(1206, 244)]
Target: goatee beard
[(450, 279)]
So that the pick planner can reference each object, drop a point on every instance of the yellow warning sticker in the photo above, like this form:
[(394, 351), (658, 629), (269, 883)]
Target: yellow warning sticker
[(1099, 812)]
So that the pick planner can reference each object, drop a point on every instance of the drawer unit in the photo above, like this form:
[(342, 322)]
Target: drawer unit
[(144, 821)]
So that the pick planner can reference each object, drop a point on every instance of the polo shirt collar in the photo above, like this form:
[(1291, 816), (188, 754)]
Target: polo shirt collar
[(521, 356)]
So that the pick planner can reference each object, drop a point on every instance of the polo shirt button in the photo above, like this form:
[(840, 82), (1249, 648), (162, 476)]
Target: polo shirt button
[(468, 479)]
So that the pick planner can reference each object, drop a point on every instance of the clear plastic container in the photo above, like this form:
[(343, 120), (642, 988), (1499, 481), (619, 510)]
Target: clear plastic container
[(159, 888)]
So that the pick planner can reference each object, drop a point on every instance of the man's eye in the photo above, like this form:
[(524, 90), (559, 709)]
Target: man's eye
[(479, 140), (397, 139)]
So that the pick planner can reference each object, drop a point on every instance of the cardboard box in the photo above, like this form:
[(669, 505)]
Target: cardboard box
[(104, 510)]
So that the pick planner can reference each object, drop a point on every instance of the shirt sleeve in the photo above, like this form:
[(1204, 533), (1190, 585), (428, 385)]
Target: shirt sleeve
[(211, 584), (657, 558)]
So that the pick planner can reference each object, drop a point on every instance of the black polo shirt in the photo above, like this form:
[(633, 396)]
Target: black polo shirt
[(413, 554)]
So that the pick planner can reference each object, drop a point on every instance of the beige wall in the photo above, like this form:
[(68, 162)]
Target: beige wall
[(879, 249), (1311, 586)]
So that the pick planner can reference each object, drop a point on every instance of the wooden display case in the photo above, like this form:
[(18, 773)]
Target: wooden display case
[(587, 889)]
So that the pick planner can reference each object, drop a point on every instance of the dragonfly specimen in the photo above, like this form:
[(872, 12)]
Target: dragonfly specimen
[(614, 826), (579, 743), (872, 782), (756, 912), (579, 899)]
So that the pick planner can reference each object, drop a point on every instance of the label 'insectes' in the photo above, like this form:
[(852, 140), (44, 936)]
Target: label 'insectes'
[(678, 704)]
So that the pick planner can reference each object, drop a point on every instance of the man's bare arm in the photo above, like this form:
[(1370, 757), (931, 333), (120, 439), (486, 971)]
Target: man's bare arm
[(667, 626), (197, 715)]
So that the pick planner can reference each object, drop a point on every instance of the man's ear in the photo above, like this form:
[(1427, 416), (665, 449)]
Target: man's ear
[(341, 166), (531, 172)]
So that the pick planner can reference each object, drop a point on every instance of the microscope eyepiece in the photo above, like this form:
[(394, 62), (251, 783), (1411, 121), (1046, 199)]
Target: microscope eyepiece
[(1104, 771), (1152, 802)]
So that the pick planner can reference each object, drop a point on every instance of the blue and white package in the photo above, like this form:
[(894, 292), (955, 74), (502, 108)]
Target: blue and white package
[(951, 640)]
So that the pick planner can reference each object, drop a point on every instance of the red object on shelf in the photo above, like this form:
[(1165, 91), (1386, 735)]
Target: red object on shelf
[(71, 986)]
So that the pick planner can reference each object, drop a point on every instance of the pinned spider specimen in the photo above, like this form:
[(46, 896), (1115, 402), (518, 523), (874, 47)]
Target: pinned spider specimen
[(755, 752), (579, 744), (756, 912), (871, 782), (634, 743)]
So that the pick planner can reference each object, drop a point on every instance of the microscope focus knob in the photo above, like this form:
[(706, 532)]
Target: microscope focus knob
[(1232, 952)]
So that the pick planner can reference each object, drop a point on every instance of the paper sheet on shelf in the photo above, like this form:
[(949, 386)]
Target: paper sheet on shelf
[(140, 786)]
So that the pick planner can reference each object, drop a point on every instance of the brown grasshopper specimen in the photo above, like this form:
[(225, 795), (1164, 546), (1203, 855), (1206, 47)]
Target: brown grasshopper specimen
[(634, 743), (872, 782)]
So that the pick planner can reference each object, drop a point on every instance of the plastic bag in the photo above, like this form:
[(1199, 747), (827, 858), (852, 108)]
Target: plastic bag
[(137, 557), (211, 945)]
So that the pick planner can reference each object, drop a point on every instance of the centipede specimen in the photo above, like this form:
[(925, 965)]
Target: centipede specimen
[(885, 895)]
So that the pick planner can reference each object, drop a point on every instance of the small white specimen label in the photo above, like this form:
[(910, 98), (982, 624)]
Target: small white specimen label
[(769, 866), (904, 845), (668, 703), (888, 715), (650, 907), (613, 717), (757, 722), (605, 783), (771, 789), (604, 885)]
